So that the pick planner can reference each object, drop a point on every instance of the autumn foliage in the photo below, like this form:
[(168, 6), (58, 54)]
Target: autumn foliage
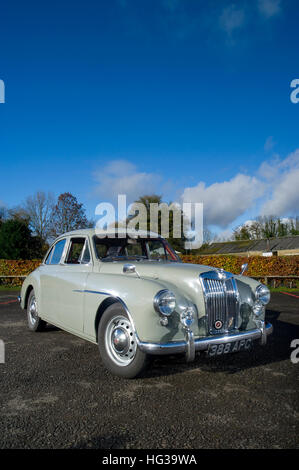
[(16, 268), (257, 265)]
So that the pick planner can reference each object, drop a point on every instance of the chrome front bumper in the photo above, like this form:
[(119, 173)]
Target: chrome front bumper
[(191, 345)]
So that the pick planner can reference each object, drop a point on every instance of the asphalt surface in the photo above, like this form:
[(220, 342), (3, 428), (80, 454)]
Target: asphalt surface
[(55, 392)]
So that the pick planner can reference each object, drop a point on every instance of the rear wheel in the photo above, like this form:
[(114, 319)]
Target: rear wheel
[(35, 323), (117, 344)]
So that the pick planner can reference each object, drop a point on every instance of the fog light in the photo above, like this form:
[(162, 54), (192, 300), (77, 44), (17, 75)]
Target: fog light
[(258, 308), (164, 321), (187, 317)]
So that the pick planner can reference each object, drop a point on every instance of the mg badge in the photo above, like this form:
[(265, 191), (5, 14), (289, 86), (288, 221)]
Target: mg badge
[(218, 325)]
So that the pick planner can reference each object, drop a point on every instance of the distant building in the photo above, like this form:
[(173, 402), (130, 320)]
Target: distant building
[(280, 246)]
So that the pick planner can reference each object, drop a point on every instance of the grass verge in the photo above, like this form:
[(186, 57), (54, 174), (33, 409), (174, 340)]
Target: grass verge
[(12, 288), (284, 289)]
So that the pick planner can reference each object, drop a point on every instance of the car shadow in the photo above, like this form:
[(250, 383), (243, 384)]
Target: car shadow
[(50, 328), (277, 349)]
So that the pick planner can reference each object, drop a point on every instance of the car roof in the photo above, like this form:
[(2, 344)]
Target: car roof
[(120, 230)]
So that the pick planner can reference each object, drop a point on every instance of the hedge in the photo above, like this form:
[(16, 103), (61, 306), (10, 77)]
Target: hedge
[(16, 268), (257, 265)]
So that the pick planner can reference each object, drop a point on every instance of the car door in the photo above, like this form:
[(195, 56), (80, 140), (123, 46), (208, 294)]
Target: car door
[(50, 272), (72, 277)]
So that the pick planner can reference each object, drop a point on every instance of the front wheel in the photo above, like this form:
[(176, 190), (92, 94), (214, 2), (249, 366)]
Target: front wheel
[(117, 344), (35, 323)]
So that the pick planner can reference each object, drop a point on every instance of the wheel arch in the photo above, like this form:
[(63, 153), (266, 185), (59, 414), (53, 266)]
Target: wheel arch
[(101, 309), (104, 305), (28, 291)]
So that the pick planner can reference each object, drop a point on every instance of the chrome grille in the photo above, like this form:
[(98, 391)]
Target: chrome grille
[(221, 301)]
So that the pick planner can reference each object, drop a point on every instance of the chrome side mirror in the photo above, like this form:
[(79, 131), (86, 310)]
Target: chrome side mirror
[(244, 268), (130, 269)]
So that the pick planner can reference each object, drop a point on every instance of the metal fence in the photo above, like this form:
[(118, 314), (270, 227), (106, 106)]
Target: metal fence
[(275, 281)]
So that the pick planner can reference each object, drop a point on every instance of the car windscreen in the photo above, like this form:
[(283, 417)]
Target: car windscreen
[(117, 249)]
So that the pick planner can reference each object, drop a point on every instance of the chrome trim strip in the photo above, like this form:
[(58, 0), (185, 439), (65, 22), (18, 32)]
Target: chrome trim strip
[(93, 292), (201, 344)]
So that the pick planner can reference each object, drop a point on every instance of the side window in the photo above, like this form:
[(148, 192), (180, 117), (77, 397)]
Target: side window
[(78, 251), (48, 259), (86, 254), (57, 253)]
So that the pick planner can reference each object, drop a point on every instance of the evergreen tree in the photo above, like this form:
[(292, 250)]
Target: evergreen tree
[(16, 241)]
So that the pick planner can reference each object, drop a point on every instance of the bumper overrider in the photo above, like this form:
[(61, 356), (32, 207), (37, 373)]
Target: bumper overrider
[(190, 346)]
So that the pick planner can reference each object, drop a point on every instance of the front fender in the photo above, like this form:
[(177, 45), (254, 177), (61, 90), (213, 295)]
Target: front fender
[(137, 295), (31, 281)]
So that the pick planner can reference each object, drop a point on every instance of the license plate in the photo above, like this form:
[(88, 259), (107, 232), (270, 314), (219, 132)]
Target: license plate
[(226, 348)]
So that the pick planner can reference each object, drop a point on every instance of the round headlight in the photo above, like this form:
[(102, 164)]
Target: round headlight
[(262, 294), (164, 302)]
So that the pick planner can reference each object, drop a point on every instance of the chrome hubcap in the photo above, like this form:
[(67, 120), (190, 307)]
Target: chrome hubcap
[(120, 341)]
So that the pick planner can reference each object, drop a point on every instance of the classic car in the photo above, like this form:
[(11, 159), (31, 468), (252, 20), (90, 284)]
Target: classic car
[(132, 295)]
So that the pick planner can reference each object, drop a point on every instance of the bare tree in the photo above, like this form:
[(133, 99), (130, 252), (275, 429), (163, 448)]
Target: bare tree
[(39, 208), (208, 236), (68, 214), (267, 227)]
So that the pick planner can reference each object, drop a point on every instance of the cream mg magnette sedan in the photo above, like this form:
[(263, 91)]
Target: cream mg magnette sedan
[(135, 298)]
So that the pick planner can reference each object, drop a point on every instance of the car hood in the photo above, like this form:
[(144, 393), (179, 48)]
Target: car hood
[(182, 276), (157, 270)]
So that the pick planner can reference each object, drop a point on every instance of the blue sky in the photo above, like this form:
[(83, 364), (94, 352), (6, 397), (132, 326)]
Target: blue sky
[(184, 98)]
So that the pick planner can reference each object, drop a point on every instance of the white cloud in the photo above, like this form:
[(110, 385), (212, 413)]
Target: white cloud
[(234, 18), (223, 236), (224, 202), (231, 19), (275, 190), (269, 144), (269, 8), (269, 169), (122, 177), (291, 161), (272, 190), (284, 197)]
